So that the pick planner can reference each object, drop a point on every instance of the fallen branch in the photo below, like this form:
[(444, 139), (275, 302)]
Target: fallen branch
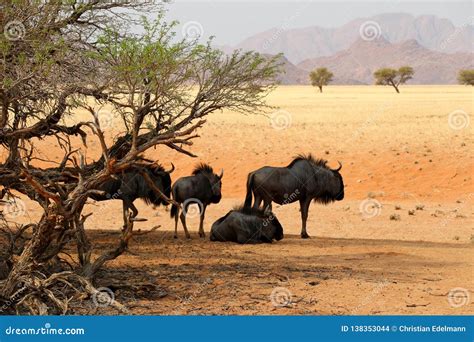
[(89, 269)]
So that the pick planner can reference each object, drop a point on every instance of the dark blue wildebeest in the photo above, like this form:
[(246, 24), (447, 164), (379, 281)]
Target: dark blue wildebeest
[(131, 184), (304, 179), (202, 188), (247, 225)]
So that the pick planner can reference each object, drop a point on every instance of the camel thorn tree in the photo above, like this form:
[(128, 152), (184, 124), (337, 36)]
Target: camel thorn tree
[(320, 77), (393, 77), (63, 56)]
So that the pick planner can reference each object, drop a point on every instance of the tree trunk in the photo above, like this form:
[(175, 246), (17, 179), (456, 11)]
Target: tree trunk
[(32, 252), (395, 86), (320, 89), (4, 112), (90, 269)]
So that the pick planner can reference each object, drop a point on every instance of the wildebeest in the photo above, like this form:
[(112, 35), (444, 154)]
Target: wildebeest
[(247, 225), (202, 188), (303, 180), (131, 184)]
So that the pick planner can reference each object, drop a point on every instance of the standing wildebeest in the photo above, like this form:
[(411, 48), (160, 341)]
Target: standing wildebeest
[(202, 188), (303, 180), (130, 185), (247, 225)]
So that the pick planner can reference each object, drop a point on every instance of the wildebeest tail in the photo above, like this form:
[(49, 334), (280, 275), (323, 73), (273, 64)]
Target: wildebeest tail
[(248, 197), (174, 210)]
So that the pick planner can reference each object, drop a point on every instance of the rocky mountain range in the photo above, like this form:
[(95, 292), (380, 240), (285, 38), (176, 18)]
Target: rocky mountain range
[(433, 46), (358, 63)]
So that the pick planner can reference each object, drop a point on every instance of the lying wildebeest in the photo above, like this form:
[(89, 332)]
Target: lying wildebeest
[(303, 180), (131, 184), (202, 188), (247, 225)]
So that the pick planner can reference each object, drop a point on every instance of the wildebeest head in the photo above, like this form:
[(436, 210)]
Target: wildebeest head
[(265, 221), (275, 229), (339, 196), (329, 186), (162, 180), (215, 180)]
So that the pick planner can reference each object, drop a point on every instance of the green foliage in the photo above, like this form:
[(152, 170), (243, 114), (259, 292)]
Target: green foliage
[(180, 77), (466, 77), (405, 73), (152, 76), (393, 77), (320, 77), (385, 76)]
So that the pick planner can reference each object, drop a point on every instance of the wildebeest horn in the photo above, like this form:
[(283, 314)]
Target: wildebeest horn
[(340, 166), (171, 170), (222, 173)]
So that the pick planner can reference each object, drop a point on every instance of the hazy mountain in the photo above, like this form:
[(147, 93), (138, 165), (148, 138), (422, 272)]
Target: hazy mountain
[(302, 43), (291, 74), (364, 57)]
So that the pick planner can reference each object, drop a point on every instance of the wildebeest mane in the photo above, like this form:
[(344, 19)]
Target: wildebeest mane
[(202, 167), (309, 157), (153, 166), (158, 167), (223, 218), (149, 195), (323, 197)]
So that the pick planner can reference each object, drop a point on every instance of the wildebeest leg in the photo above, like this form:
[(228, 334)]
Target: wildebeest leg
[(304, 207), (183, 221), (134, 209), (176, 224), (267, 204), (257, 202), (201, 222), (125, 212), (128, 204)]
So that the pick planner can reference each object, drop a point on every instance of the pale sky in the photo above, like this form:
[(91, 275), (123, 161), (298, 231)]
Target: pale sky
[(232, 21)]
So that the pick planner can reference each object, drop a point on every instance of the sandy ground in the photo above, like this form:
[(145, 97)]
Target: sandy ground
[(400, 152), (318, 276)]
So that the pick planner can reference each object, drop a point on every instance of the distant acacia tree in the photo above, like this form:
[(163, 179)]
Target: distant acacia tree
[(393, 77), (320, 77), (466, 77)]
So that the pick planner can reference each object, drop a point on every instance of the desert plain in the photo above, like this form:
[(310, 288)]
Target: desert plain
[(401, 241)]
